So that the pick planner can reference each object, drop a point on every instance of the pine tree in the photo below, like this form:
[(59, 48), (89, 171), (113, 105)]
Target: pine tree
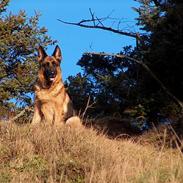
[(19, 38), (162, 48), (108, 81), (159, 46)]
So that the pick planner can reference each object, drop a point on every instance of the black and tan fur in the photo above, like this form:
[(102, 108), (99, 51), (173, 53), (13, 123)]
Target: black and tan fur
[(52, 103)]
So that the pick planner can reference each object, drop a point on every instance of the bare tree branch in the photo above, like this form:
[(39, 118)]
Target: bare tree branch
[(97, 23), (88, 106), (164, 88), (81, 24)]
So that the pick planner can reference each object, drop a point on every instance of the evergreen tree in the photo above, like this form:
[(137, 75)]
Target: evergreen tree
[(19, 38), (111, 83), (162, 48), (120, 83)]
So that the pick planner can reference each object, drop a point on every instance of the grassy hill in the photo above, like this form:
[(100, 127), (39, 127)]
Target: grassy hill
[(42, 154)]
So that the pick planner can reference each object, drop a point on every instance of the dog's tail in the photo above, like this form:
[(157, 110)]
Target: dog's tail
[(74, 122)]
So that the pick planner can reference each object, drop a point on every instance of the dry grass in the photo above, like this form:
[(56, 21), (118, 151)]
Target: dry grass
[(49, 154)]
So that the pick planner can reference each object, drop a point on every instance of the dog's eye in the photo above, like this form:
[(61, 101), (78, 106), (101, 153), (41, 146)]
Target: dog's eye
[(54, 64), (46, 64)]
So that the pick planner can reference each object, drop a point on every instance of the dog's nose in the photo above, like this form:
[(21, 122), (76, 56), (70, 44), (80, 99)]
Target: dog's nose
[(52, 74)]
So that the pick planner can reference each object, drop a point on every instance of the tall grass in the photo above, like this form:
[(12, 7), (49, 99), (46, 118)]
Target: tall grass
[(60, 154)]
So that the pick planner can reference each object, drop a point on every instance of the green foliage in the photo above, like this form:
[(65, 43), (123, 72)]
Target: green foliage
[(109, 82), (162, 48), (148, 15), (115, 85), (20, 36), (80, 88), (3, 4)]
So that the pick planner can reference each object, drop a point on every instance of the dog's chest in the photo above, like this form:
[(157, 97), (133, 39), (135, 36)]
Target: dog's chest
[(54, 102)]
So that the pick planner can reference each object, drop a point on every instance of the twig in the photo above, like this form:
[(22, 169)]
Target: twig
[(99, 21), (165, 89), (92, 16), (88, 105)]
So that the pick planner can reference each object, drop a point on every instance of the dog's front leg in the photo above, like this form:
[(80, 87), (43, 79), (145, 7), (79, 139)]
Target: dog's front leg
[(36, 117), (48, 113), (59, 118)]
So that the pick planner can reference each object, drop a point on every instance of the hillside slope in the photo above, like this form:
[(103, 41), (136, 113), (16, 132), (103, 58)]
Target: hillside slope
[(49, 154)]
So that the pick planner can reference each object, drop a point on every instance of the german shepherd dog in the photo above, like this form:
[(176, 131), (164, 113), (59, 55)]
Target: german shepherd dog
[(52, 103)]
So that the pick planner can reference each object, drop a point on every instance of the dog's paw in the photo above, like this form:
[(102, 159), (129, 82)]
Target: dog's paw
[(74, 122)]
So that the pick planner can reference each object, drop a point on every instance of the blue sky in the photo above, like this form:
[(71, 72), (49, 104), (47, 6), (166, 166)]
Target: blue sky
[(74, 40)]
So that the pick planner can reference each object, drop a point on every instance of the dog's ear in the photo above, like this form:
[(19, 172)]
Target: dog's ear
[(41, 53), (57, 53)]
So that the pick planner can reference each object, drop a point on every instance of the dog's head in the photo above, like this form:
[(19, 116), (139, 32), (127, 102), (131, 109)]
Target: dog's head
[(49, 70)]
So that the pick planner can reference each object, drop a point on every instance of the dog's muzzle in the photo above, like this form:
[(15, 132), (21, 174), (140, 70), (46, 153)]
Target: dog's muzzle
[(50, 75)]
